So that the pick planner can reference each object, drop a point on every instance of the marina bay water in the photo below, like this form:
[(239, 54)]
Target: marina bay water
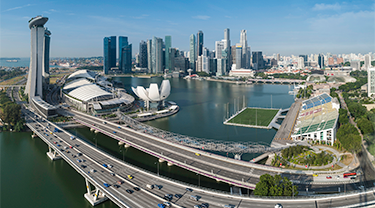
[(27, 171)]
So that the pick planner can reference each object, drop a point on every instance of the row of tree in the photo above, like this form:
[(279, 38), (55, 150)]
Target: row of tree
[(305, 93), (4, 75), (292, 151), (284, 76), (275, 186), (10, 113)]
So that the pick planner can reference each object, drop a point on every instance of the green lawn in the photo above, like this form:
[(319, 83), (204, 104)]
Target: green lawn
[(251, 116)]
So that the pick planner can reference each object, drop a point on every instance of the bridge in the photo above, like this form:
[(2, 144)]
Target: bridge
[(277, 81), (16, 85)]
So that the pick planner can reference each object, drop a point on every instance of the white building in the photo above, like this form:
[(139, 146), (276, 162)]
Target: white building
[(317, 120), (301, 63), (371, 82), (219, 47), (367, 63)]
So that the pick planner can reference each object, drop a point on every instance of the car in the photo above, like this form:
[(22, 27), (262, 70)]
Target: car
[(136, 188), (205, 205), (66, 147), (83, 166), (129, 191), (353, 177), (112, 174), (161, 205), (110, 166), (159, 186), (328, 177), (116, 186), (67, 151), (78, 160), (114, 132), (197, 206), (79, 154), (106, 185), (278, 206), (55, 142), (71, 147), (119, 127), (178, 196), (58, 145), (168, 197), (315, 175), (167, 204), (92, 170), (197, 154), (337, 177), (120, 182), (189, 189), (130, 176), (104, 165)]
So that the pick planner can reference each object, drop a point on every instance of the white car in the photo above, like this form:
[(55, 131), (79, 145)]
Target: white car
[(278, 206), (167, 204)]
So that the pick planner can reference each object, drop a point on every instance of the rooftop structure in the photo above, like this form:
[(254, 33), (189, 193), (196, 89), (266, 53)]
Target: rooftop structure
[(317, 119), (153, 94)]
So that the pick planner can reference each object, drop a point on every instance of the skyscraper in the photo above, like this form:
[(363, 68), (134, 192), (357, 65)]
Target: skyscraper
[(125, 54), (39, 56), (168, 45), (149, 56), (228, 51), (301, 62), (199, 43), (243, 43), (219, 47), (157, 55), (239, 56), (321, 61), (109, 53), (143, 54), (258, 62), (193, 52), (367, 63)]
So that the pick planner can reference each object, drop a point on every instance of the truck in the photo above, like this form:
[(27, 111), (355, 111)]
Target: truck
[(150, 186)]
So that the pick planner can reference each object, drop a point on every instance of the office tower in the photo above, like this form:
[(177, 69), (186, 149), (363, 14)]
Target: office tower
[(199, 64), (248, 57), (258, 62), (171, 58), (243, 43), (39, 56), (278, 57), (168, 45), (213, 65), (219, 47), (367, 63), (355, 64), (227, 49), (206, 61), (157, 55), (143, 54), (233, 55), (199, 43), (193, 52), (371, 82), (239, 56), (149, 56), (304, 57), (125, 55), (109, 53), (221, 67), (321, 61)]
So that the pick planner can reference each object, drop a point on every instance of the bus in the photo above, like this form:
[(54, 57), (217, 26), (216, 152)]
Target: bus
[(346, 175)]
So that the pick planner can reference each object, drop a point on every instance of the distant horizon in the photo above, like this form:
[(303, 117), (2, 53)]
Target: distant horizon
[(287, 27)]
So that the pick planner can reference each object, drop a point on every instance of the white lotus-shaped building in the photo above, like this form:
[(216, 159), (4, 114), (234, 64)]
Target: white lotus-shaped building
[(153, 93)]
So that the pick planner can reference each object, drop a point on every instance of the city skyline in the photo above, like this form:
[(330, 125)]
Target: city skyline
[(275, 27)]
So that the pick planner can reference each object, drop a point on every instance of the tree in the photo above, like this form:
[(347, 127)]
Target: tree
[(346, 63), (274, 186), (365, 125)]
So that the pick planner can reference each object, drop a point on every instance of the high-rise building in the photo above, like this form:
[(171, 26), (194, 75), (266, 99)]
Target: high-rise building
[(227, 50), (39, 56), (321, 61), (168, 45), (149, 56), (172, 52), (221, 67), (278, 57), (157, 55), (125, 54), (258, 62), (243, 43), (219, 47), (233, 54), (367, 63), (371, 82), (355, 64), (199, 43), (143, 54), (109, 53), (301, 62), (193, 52), (239, 56)]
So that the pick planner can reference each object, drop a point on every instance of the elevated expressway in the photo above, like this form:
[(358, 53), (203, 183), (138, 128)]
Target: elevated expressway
[(93, 158), (235, 172)]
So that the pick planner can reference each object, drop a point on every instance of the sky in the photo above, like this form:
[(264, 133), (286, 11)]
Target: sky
[(286, 27)]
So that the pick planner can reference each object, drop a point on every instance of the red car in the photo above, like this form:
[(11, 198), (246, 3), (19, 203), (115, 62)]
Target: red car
[(328, 177), (71, 147)]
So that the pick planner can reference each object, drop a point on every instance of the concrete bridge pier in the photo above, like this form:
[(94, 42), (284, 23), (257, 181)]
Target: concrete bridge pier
[(161, 160), (96, 196), (34, 136), (53, 155), (127, 145), (237, 156)]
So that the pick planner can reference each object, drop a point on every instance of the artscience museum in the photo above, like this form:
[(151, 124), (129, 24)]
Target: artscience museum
[(153, 97)]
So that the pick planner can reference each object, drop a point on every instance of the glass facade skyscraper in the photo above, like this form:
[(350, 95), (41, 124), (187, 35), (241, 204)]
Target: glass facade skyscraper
[(157, 55), (193, 52), (109, 53), (168, 45), (143, 54), (199, 43), (125, 54)]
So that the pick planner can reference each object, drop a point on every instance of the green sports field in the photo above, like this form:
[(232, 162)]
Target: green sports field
[(253, 116)]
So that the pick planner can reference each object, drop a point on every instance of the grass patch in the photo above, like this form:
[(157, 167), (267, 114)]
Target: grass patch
[(252, 116), (12, 81), (346, 159)]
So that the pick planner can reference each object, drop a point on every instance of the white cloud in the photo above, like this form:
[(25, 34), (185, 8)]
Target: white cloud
[(143, 16), (19, 7), (201, 17), (322, 6)]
